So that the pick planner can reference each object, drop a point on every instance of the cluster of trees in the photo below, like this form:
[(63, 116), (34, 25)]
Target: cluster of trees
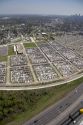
[(12, 103)]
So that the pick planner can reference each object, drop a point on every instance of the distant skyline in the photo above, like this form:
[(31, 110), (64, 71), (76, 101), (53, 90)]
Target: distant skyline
[(45, 7)]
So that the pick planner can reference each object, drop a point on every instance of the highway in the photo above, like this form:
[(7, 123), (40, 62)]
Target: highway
[(57, 113), (78, 120)]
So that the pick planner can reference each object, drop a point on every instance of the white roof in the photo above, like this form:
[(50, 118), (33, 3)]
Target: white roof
[(43, 33)]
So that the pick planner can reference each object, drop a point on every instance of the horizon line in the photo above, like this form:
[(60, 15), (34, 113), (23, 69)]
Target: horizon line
[(43, 14)]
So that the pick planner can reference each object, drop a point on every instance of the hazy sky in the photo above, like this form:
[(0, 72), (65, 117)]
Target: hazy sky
[(59, 7)]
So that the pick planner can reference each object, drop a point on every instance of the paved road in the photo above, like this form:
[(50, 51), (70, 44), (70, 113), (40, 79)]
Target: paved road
[(56, 113), (78, 120), (61, 119), (39, 86)]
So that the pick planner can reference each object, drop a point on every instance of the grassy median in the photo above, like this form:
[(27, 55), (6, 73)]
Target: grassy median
[(29, 45), (11, 50), (3, 58), (19, 106)]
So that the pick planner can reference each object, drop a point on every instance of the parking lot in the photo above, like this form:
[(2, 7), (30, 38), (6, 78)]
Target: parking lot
[(2, 72), (17, 60), (21, 74), (43, 61), (45, 72), (36, 56), (56, 56), (70, 49)]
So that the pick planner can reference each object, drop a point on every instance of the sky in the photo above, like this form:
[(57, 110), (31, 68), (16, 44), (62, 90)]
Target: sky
[(45, 7)]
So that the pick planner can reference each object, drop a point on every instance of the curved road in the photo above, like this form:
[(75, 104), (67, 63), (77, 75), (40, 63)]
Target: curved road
[(39, 86)]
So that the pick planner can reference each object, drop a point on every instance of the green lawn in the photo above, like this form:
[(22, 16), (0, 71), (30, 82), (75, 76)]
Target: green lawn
[(3, 58), (29, 45), (19, 106), (11, 50)]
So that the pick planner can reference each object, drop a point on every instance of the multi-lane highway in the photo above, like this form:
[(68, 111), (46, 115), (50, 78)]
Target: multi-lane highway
[(70, 117), (56, 114), (79, 120)]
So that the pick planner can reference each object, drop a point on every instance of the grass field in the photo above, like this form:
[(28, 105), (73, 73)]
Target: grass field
[(11, 50), (29, 45), (23, 105), (3, 58)]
